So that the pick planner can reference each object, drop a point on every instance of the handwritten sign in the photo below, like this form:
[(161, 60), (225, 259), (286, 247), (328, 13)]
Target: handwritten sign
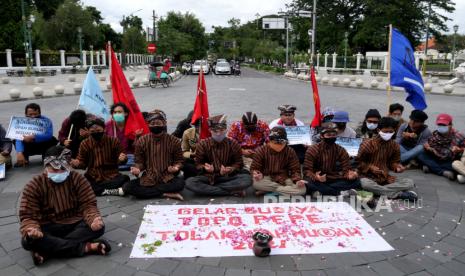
[(297, 228), (298, 135), (351, 145), (20, 126)]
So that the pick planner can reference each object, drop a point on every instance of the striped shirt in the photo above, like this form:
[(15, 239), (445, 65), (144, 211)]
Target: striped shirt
[(154, 155), (379, 153), (100, 158), (43, 202), (227, 153), (323, 158), (278, 165)]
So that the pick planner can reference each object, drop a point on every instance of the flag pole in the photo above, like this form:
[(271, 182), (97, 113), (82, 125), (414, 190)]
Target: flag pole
[(389, 89), (109, 50)]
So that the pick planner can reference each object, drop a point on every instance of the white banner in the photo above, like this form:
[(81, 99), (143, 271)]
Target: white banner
[(297, 228), (351, 145), (299, 135), (20, 126)]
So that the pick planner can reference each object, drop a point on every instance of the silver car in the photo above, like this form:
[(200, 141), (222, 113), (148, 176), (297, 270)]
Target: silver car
[(223, 68)]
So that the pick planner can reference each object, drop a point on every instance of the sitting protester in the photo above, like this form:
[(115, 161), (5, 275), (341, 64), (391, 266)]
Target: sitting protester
[(34, 144), (395, 112), (412, 135), (250, 133), (220, 161), (287, 119), (326, 116), (376, 157), (183, 125), (100, 155), (443, 147), (73, 131), (275, 167), (158, 161), (116, 127), (341, 118), (189, 141), (327, 166), (5, 148), (369, 127), (58, 212), (459, 167)]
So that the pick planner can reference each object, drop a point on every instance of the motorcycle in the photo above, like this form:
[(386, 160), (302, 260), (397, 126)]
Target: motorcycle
[(237, 69)]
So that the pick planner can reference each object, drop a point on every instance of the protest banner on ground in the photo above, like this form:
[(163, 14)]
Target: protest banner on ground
[(298, 135), (297, 228), (351, 145), (20, 126)]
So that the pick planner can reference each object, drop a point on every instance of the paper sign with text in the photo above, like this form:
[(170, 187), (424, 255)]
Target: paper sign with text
[(174, 231), (299, 135), (351, 145), (20, 126)]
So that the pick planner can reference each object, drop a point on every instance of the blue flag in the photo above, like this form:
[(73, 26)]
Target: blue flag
[(92, 100), (403, 71)]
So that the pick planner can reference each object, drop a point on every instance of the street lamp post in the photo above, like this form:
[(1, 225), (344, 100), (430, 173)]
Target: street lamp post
[(79, 30), (456, 28), (27, 43), (257, 15), (346, 35), (29, 38)]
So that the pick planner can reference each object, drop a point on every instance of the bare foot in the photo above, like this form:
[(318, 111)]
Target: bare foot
[(37, 258), (260, 193), (177, 196), (95, 248)]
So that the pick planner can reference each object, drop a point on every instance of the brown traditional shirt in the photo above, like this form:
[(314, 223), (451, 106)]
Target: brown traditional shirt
[(100, 157), (44, 202), (323, 157), (278, 165), (227, 153), (379, 153), (154, 155)]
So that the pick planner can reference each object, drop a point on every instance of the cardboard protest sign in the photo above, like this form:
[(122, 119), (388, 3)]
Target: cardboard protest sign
[(351, 145), (20, 126), (298, 135), (297, 228)]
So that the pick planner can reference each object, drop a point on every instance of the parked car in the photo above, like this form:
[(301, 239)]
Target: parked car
[(200, 63), (222, 68)]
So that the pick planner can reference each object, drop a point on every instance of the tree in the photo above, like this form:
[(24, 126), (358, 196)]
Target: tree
[(11, 31), (182, 36), (133, 41), (47, 8), (60, 32)]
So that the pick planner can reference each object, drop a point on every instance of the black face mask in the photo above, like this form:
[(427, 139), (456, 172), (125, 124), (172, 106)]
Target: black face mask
[(330, 141), (97, 135), (250, 128), (157, 129)]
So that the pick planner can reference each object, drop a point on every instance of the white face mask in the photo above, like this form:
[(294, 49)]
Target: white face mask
[(372, 126), (386, 136), (443, 129), (396, 117)]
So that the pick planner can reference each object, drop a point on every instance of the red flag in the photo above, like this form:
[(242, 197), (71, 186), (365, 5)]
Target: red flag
[(122, 94), (316, 100), (201, 107)]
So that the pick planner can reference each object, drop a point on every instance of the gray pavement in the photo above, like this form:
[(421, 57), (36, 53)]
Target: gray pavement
[(428, 239)]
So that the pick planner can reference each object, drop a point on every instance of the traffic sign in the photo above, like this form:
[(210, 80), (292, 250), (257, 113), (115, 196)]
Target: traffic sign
[(151, 48)]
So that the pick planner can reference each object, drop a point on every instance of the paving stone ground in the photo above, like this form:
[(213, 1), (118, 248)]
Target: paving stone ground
[(429, 238)]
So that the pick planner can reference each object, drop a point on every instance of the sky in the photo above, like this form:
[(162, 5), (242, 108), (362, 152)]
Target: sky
[(214, 12)]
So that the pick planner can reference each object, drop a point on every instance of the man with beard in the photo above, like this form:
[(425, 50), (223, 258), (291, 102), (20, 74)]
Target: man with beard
[(250, 133), (158, 160), (100, 155), (220, 160)]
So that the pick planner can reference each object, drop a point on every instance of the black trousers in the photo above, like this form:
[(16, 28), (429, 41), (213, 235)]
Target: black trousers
[(300, 151), (114, 183), (332, 188), (134, 188), (189, 169), (62, 240), (223, 186), (31, 149)]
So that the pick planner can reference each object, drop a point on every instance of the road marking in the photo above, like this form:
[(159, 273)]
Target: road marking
[(237, 89)]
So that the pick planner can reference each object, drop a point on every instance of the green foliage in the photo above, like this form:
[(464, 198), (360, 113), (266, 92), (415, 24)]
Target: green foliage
[(11, 31), (182, 37), (134, 40)]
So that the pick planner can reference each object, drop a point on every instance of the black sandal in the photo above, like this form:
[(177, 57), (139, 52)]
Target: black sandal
[(101, 244)]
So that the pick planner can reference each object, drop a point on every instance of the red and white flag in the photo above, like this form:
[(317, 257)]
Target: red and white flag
[(201, 106)]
